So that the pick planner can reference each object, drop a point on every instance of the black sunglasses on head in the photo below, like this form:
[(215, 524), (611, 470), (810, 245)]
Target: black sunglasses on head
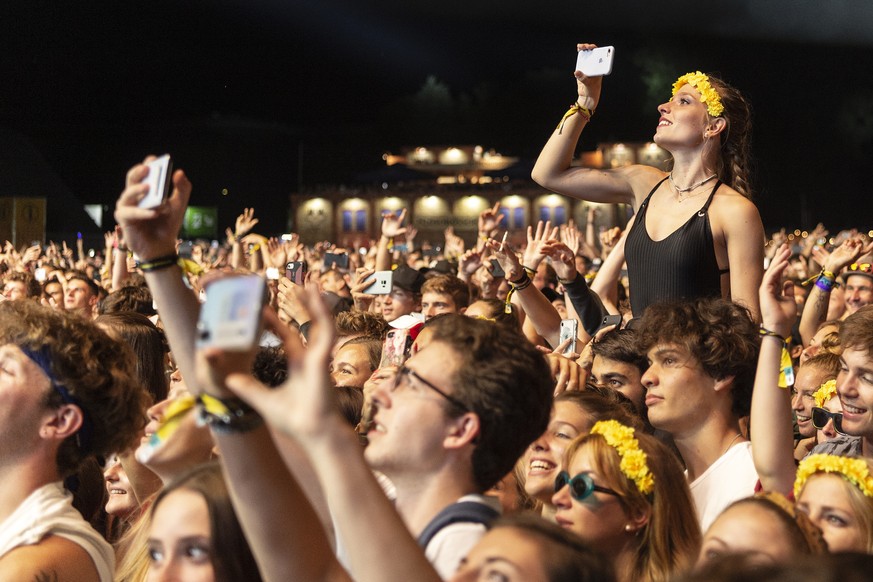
[(821, 416), (581, 486)]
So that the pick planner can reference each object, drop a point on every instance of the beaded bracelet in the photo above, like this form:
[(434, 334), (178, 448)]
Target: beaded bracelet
[(159, 263), (574, 109), (227, 415)]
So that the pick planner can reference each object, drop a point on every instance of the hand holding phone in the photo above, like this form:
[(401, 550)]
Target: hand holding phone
[(595, 62), (610, 320), (296, 271), (569, 331), (384, 282)]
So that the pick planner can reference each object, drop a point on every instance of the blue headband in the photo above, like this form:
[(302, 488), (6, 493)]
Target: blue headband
[(42, 359)]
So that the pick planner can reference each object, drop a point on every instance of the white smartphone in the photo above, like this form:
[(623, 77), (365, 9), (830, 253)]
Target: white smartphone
[(159, 180), (569, 330), (230, 319), (382, 284), (595, 62)]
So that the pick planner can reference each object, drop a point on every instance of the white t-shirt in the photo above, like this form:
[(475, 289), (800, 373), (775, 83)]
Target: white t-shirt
[(452, 543), (730, 478), (49, 511)]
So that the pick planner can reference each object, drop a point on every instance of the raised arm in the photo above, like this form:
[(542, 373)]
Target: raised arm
[(816, 308), (391, 228), (553, 170), (771, 428)]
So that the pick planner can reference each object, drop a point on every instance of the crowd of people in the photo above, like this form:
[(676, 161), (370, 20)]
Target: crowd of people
[(684, 400)]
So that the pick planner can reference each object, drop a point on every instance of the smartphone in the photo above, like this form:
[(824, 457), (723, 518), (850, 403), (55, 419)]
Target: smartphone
[(610, 320), (341, 260), (39, 274), (496, 270), (159, 180), (395, 348), (382, 285), (595, 62), (569, 330), (296, 271), (230, 318)]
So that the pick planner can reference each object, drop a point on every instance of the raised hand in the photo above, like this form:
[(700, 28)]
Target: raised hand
[(489, 220), (563, 259), (571, 237), (588, 88), (151, 232), (533, 253), (392, 224), (245, 222), (778, 308)]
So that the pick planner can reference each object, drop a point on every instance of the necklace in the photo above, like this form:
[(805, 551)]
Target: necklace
[(681, 191), (730, 444)]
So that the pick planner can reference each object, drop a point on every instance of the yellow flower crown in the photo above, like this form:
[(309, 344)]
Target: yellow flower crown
[(825, 392), (633, 459), (708, 95), (855, 471)]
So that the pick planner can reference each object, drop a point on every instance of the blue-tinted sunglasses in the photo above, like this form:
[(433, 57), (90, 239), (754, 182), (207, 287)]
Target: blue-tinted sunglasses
[(581, 486)]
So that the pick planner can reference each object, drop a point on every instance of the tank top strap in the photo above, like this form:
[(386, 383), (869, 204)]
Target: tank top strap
[(646, 201), (705, 207)]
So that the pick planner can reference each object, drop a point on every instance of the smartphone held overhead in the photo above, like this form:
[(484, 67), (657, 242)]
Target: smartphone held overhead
[(595, 62), (230, 318), (159, 180)]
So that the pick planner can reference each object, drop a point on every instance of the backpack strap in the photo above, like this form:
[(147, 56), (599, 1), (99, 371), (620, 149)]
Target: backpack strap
[(459, 512)]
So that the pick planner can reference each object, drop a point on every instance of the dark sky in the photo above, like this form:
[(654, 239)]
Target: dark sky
[(261, 97)]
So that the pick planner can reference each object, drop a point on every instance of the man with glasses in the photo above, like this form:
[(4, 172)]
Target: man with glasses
[(702, 356)]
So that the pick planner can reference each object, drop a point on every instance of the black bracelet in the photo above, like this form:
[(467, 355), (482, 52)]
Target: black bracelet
[(159, 263), (227, 415)]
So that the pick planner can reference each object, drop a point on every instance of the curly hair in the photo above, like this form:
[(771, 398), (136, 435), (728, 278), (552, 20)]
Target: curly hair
[(361, 323), (506, 382), (96, 370), (32, 287), (717, 332)]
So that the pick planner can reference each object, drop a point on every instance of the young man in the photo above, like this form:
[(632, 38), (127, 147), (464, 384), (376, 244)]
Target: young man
[(67, 393), (702, 358), (444, 294), (619, 365), (405, 296), (81, 296), (19, 285), (855, 387)]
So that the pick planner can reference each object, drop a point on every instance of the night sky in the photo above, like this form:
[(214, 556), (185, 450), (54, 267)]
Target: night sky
[(268, 98)]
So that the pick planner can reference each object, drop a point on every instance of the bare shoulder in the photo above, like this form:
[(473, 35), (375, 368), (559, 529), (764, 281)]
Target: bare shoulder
[(54, 559), (733, 212)]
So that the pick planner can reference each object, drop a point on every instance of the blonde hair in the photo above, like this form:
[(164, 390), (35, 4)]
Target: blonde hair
[(862, 506), (670, 540)]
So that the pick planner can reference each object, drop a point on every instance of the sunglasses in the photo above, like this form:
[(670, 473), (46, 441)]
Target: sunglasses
[(581, 486), (863, 267), (821, 416)]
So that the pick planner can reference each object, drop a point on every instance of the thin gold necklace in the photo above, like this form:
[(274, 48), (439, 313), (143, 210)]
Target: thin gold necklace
[(730, 444)]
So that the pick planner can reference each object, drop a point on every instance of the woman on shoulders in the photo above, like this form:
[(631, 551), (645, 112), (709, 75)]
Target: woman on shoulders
[(697, 232)]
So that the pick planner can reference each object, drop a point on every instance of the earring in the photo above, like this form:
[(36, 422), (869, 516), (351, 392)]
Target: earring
[(628, 528)]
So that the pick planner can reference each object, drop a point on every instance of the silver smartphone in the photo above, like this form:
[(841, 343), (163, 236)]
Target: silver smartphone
[(382, 285), (595, 62), (159, 180), (230, 318), (569, 330)]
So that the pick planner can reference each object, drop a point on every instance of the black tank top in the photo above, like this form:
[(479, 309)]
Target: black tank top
[(683, 265)]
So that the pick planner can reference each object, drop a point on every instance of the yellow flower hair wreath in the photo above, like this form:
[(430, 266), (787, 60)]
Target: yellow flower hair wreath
[(825, 392), (633, 459), (708, 95), (855, 471)]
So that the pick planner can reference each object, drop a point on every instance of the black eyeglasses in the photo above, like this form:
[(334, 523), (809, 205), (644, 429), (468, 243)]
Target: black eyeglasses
[(821, 416), (403, 372), (581, 486)]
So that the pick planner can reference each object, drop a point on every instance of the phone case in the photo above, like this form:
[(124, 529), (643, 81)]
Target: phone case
[(158, 179), (595, 62), (230, 319), (569, 329), (383, 284)]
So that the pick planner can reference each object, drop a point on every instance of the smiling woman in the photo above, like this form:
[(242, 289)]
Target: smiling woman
[(696, 233)]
